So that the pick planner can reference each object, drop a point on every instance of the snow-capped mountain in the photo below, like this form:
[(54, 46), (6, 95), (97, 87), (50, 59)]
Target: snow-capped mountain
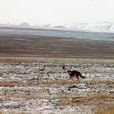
[(85, 27), (88, 27), (96, 31), (94, 27)]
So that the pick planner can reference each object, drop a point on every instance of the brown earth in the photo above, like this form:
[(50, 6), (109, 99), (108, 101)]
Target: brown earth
[(32, 45), (25, 88)]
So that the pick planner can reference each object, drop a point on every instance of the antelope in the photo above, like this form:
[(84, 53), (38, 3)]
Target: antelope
[(74, 73)]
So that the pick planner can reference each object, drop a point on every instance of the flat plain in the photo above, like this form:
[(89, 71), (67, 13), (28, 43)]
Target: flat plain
[(32, 78)]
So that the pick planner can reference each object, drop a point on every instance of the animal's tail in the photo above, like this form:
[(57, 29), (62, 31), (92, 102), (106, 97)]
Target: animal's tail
[(81, 76)]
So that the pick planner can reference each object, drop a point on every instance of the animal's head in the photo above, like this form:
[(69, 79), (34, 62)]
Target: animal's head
[(65, 67), (69, 72)]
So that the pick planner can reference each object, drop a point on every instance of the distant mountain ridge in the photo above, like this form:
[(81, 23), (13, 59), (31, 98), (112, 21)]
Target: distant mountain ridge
[(90, 27), (87, 27), (95, 27), (58, 33)]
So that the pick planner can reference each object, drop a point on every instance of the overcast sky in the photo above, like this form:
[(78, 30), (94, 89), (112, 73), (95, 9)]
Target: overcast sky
[(61, 12)]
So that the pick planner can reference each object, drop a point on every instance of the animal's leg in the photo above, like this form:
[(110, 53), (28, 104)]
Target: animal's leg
[(78, 78)]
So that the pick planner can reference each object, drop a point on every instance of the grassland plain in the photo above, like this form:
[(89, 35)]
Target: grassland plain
[(26, 87), (42, 46)]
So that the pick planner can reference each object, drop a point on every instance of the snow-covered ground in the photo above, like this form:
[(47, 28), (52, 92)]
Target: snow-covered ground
[(25, 87)]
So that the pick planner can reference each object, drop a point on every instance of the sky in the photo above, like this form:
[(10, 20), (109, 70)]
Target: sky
[(56, 12)]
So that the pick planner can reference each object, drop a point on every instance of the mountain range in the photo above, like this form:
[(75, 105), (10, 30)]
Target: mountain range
[(87, 27)]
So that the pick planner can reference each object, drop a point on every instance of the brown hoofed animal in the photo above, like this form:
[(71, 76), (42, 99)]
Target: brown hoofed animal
[(75, 73)]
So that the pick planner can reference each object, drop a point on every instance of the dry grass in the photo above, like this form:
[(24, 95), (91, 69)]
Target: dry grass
[(98, 71), (11, 83), (90, 100), (55, 92), (109, 110), (21, 95), (14, 112), (44, 46), (96, 82), (10, 60)]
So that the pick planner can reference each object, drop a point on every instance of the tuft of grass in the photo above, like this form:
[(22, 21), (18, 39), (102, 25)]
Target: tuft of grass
[(105, 111), (10, 60), (10, 83), (77, 100), (96, 82)]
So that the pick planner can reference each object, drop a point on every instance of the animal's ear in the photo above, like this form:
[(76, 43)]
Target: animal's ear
[(64, 67)]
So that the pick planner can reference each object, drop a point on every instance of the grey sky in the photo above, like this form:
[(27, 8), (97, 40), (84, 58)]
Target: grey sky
[(64, 12)]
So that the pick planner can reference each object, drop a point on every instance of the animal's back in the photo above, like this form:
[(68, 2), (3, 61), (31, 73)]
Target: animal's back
[(76, 73)]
